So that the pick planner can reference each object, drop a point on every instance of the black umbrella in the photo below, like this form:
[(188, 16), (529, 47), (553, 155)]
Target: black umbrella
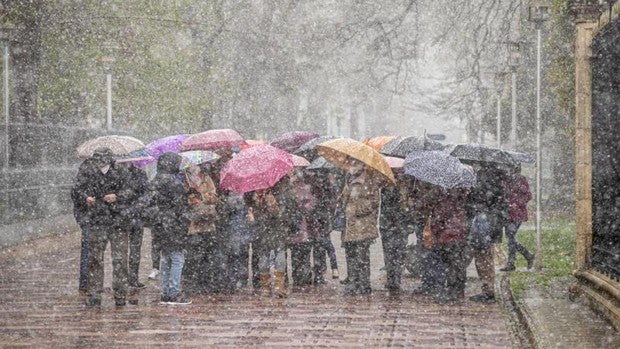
[(483, 153), (402, 146), (308, 150), (439, 168), (321, 163), (521, 158)]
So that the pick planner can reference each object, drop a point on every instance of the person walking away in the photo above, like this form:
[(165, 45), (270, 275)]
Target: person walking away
[(138, 182), (106, 193), (202, 200), (274, 214), (393, 227), (518, 194), (80, 212), (487, 197), (172, 221), (299, 241), (361, 199), (325, 193)]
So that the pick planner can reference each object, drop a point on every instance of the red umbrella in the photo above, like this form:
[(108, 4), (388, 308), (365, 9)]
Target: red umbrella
[(256, 168), (290, 141), (213, 139)]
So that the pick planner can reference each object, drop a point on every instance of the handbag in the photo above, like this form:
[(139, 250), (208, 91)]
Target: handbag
[(480, 232)]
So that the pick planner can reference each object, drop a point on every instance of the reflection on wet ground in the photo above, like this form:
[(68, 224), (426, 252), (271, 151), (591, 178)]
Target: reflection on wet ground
[(40, 307)]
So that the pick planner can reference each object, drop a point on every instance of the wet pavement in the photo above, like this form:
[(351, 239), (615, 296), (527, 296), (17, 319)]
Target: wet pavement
[(40, 307)]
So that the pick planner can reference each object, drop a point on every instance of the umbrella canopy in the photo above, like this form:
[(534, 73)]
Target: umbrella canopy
[(377, 143), (298, 161), (136, 157), (320, 163), (160, 146), (213, 139), (395, 162), (521, 158), (196, 157), (120, 145), (439, 168), (308, 150), (249, 143), (256, 168), (483, 153), (291, 141), (402, 146), (339, 151)]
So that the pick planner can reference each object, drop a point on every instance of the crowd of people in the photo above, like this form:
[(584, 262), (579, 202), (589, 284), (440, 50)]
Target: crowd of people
[(209, 240)]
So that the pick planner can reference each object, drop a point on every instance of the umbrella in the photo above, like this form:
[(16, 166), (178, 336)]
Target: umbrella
[(308, 150), (298, 161), (521, 158), (339, 151), (196, 157), (377, 143), (291, 141), (402, 146), (439, 168), (394, 162), (259, 167), (136, 157), (483, 153), (120, 145), (213, 139), (160, 146), (249, 143), (320, 163)]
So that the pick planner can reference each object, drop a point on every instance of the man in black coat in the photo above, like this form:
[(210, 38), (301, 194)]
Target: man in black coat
[(80, 212), (106, 193), (138, 183)]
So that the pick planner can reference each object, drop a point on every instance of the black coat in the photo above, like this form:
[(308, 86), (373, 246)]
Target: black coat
[(169, 205), (92, 182), (80, 210)]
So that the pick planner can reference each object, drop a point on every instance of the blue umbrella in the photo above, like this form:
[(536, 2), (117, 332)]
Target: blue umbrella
[(439, 168)]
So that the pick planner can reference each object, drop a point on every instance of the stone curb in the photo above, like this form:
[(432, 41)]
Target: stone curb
[(520, 323)]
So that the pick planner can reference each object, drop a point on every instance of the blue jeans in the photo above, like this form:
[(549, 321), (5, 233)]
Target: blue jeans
[(170, 273), (84, 258)]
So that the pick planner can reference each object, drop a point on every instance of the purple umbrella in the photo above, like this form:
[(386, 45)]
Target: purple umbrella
[(162, 145), (291, 141)]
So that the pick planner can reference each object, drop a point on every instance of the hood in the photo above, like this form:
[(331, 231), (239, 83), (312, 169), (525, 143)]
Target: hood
[(169, 163)]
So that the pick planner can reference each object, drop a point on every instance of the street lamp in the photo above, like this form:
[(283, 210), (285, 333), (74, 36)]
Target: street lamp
[(5, 35), (538, 13), (499, 88), (515, 58), (107, 63)]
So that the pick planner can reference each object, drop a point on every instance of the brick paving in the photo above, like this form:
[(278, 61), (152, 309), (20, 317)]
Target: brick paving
[(40, 307)]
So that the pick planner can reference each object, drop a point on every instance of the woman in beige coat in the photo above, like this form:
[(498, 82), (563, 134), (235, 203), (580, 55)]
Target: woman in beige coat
[(361, 198)]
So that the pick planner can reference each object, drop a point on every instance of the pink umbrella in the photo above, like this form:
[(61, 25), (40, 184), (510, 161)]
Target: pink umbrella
[(394, 162), (213, 139), (256, 168), (299, 161), (291, 141)]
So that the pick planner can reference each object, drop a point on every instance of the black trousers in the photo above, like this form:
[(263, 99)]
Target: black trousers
[(358, 266), (135, 245), (394, 242), (453, 259), (300, 262)]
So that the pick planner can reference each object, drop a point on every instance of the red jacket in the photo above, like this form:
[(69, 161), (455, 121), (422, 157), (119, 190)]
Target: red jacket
[(448, 218), (517, 194)]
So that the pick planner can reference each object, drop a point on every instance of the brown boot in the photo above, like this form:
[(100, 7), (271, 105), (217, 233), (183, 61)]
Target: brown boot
[(280, 289), (265, 284)]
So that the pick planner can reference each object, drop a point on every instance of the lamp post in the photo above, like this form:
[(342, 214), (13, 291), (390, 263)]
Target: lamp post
[(515, 57), (499, 88), (538, 13), (5, 31), (107, 62)]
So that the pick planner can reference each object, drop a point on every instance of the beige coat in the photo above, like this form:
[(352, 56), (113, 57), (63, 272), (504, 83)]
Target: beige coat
[(362, 199)]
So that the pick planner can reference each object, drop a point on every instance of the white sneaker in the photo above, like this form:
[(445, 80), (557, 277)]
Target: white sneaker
[(153, 275), (335, 274)]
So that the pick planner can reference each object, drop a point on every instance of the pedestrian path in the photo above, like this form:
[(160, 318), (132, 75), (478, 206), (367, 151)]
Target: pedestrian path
[(40, 307)]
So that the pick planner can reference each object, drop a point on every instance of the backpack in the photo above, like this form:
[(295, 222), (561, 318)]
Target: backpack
[(480, 232)]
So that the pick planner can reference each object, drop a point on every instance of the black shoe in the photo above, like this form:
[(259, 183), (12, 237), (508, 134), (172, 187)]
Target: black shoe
[(483, 298), (357, 291), (138, 285), (421, 289), (180, 301), (392, 287), (530, 262), (93, 302), (345, 281), (120, 302), (508, 268)]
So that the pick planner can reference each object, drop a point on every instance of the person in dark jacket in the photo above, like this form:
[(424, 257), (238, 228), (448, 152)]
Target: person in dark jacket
[(106, 192), (518, 194), (320, 224), (393, 221), (138, 182), (487, 197), (172, 222), (80, 212)]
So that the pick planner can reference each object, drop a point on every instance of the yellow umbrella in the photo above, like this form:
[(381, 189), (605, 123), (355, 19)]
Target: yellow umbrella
[(339, 151), (377, 143)]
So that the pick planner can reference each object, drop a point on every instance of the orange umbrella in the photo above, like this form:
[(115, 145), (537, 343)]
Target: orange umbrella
[(377, 143), (339, 151)]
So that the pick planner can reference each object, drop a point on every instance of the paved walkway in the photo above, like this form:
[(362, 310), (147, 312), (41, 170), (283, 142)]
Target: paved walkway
[(40, 307)]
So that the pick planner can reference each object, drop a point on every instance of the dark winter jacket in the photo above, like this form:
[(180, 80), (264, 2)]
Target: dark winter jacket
[(518, 195), (96, 184), (392, 215), (319, 223), (169, 206), (139, 185), (80, 209), (448, 217)]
